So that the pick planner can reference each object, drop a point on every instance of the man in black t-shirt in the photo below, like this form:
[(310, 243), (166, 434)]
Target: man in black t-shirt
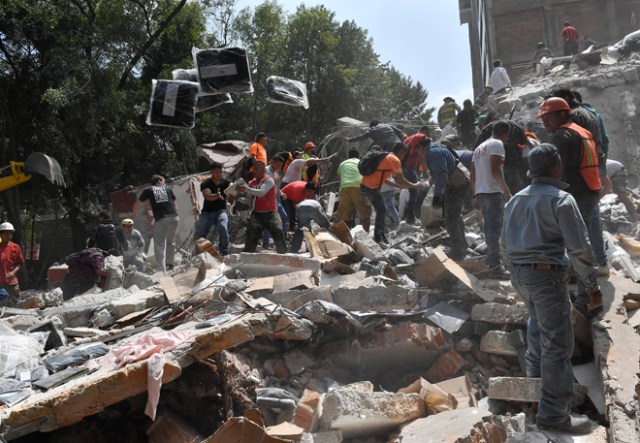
[(214, 209), (165, 214)]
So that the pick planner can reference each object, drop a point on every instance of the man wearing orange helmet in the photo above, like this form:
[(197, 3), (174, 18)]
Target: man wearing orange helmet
[(577, 150)]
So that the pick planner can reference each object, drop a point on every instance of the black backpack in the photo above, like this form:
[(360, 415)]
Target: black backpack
[(368, 165), (106, 239)]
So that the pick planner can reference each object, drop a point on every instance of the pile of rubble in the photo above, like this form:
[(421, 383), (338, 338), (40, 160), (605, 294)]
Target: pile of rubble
[(347, 342)]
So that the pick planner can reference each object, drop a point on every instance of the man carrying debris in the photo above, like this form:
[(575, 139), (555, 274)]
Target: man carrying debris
[(265, 210), (450, 188), (214, 209), (108, 236), (580, 167), (390, 165), (11, 261), (383, 135), (165, 215), (490, 190), (307, 211), (415, 162), (134, 256), (350, 196), (543, 224)]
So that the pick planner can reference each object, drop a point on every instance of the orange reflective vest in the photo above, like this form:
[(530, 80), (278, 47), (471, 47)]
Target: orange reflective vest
[(588, 157)]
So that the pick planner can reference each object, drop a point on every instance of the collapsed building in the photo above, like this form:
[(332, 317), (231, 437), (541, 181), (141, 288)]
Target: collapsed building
[(347, 342)]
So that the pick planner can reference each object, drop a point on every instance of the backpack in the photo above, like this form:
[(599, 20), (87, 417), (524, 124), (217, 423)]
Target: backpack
[(106, 238), (368, 165)]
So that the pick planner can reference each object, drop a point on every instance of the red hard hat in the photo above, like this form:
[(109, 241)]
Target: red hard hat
[(309, 145), (553, 104)]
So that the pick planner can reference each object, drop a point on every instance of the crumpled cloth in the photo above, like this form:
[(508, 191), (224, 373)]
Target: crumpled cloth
[(152, 347), (144, 347)]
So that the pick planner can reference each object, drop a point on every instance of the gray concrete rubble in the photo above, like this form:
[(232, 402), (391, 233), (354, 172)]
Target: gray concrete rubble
[(349, 341)]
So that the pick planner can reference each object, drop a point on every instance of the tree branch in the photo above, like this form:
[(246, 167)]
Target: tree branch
[(142, 51)]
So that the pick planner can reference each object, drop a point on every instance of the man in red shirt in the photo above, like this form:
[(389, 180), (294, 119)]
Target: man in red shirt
[(390, 166), (11, 261), (265, 210), (569, 39)]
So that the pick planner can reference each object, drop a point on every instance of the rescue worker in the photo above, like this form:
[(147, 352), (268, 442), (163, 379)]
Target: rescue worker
[(448, 112)]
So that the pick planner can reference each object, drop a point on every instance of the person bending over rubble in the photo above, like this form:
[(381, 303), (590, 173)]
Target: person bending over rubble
[(451, 185), (389, 166), (618, 184), (308, 210), (135, 254), (543, 224), (108, 236), (265, 210), (11, 261), (214, 209), (85, 269)]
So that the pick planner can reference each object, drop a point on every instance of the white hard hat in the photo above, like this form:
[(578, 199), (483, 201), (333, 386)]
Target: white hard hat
[(6, 226)]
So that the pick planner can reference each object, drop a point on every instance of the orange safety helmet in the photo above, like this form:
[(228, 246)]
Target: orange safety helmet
[(309, 145), (553, 104)]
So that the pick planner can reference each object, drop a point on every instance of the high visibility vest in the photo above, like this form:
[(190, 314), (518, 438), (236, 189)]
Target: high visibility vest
[(588, 157)]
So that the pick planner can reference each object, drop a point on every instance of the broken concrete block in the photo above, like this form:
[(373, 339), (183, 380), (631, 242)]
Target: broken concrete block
[(446, 366), (497, 342), (283, 282), (296, 298), (460, 426), (365, 246), (287, 431), (297, 361), (136, 302), (309, 410), (359, 414), (500, 314), (514, 389), (325, 245), (435, 399), (630, 75), (265, 265), (376, 297), (460, 389)]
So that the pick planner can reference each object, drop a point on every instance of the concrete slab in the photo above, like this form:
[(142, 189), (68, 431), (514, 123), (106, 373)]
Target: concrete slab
[(460, 426)]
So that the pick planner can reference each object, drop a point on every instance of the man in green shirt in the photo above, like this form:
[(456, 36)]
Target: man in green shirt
[(350, 195)]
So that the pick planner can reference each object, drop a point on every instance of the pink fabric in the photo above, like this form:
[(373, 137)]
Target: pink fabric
[(144, 347), (155, 370)]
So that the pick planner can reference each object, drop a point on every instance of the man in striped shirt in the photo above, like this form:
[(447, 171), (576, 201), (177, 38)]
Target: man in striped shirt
[(569, 39)]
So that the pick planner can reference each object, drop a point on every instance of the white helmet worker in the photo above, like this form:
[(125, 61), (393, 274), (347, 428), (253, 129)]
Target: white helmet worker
[(6, 226)]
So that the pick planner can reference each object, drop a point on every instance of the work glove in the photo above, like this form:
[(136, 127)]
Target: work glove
[(438, 202)]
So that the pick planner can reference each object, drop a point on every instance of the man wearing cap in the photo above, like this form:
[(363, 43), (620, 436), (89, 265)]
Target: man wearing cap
[(543, 224), (11, 261), (264, 214), (448, 112), (214, 208), (134, 255), (577, 150), (350, 196)]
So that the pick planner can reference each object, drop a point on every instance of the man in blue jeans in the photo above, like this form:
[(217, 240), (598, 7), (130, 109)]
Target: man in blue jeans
[(214, 209), (491, 191), (542, 223)]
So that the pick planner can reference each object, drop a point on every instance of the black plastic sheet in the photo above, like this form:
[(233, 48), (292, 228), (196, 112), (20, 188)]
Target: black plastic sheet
[(222, 70), (173, 104)]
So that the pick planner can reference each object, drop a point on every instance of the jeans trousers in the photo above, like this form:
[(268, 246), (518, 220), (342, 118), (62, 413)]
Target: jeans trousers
[(411, 174), (390, 205), (492, 208), (258, 222), (587, 205), (375, 197), (164, 237), (305, 216), (549, 338), (283, 216), (453, 202), (221, 221)]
